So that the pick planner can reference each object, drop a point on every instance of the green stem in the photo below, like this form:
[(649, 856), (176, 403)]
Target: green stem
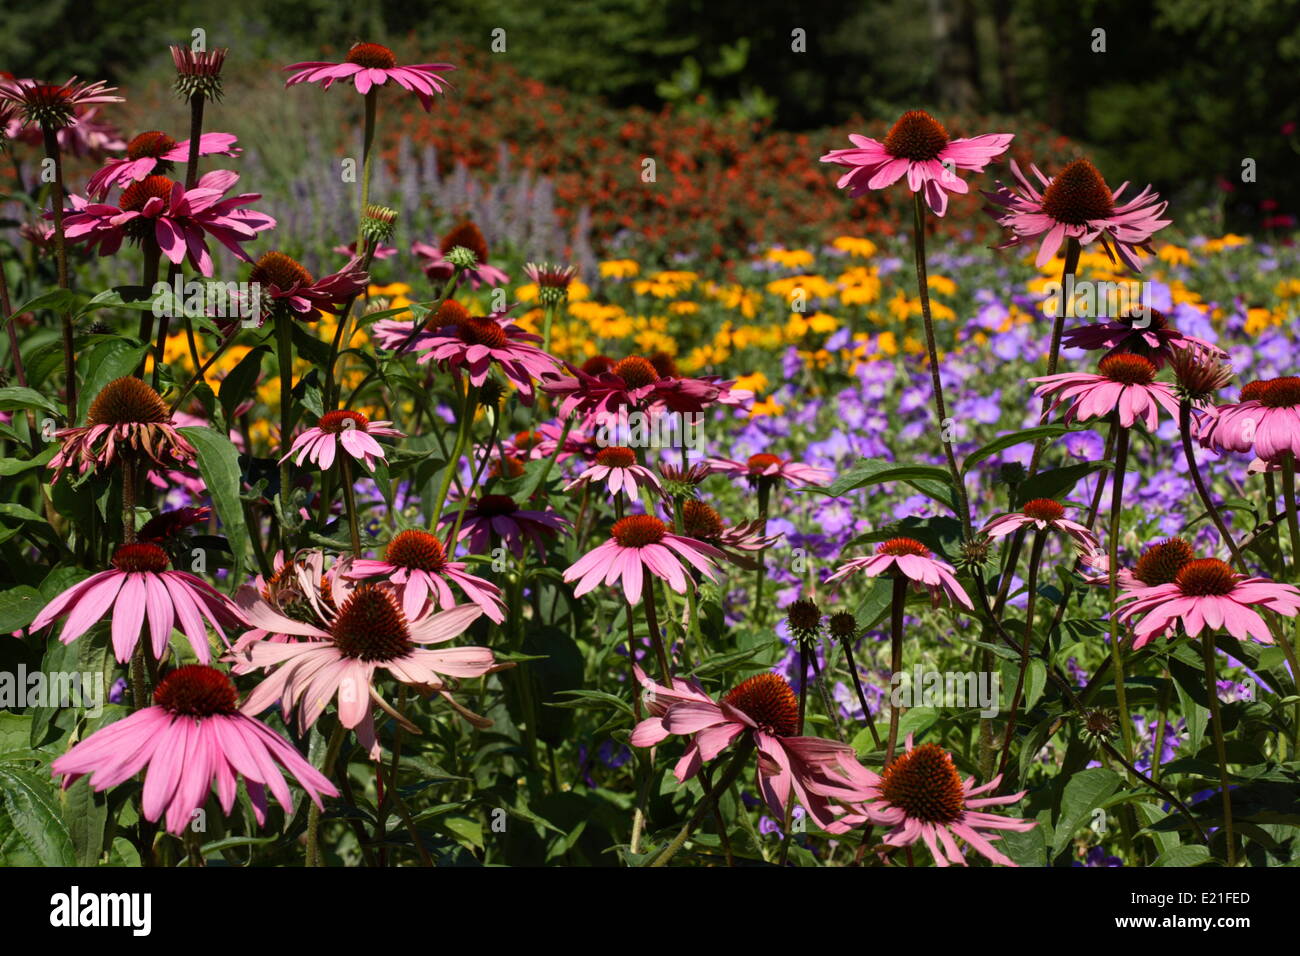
[(284, 355), (61, 256), (1185, 428), (313, 813), (1112, 545), (896, 607), (1066, 308), (350, 499), (729, 776), (1035, 558), (1212, 691)]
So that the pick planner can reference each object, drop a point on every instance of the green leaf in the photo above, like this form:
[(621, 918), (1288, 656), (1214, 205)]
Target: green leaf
[(1191, 855), (15, 466), (1085, 792), (32, 808), (134, 297), (1056, 482), (86, 813), (1010, 441), (110, 360), (19, 607), (239, 381), (15, 396), (874, 471), (219, 466), (58, 300)]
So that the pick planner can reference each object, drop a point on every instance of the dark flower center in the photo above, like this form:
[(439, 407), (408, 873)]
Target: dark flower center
[(468, 236), (924, 783), (127, 401), (1153, 320), (901, 546), (416, 549), (1078, 195), (278, 270), (137, 194), (196, 691), (638, 531), (373, 56), (916, 136), (768, 701), (140, 556), (1254, 391), (598, 365), (450, 312), (527, 440), (1043, 509), (701, 522), (1279, 392), (1160, 563), (512, 467), (616, 457), (1205, 577), (150, 145), (843, 625), (636, 372), (663, 364), (477, 330), (334, 422), (1128, 369), (371, 627), (803, 616), (758, 464), (490, 506)]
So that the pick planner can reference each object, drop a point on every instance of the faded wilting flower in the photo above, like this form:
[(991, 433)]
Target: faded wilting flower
[(552, 281), (1265, 421), (370, 65), (680, 481), (618, 469), (475, 343), (54, 105), (154, 152), (179, 219), (139, 586), (417, 563), (170, 525), (1077, 204), (703, 523), (198, 73), (1124, 384), (923, 797), (919, 147), (440, 268), (1207, 595), (193, 736), (1148, 334), (914, 561), (283, 284), (843, 626), (497, 516), (639, 544), (345, 429), (764, 709), (344, 649), (766, 466), (1198, 375), (126, 417), (1042, 514)]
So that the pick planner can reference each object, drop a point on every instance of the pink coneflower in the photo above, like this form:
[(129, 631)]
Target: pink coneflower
[(343, 651), (417, 563), (1042, 514), (497, 516), (923, 797), (1077, 204), (1206, 594), (765, 709), (736, 542), (54, 105), (475, 343), (370, 65), (140, 585), (914, 561), (640, 544), (919, 147), (300, 589), (617, 467), (439, 268), (345, 429), (632, 382), (766, 466), (127, 417), (1123, 384), (193, 736), (154, 152), (198, 72), (177, 218), (284, 283), (1150, 335), (1266, 421)]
